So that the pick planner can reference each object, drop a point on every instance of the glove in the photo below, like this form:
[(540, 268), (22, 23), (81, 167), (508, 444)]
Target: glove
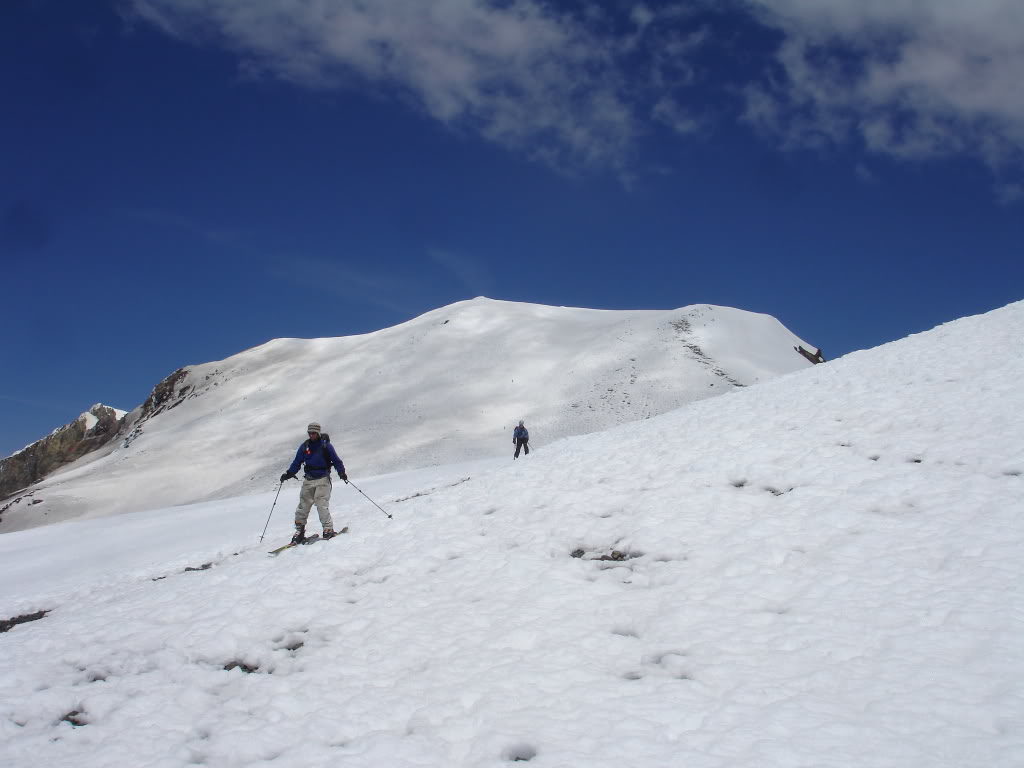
[(344, 477), (287, 476)]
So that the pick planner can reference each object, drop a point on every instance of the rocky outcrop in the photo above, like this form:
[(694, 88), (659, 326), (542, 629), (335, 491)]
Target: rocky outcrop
[(93, 429), (168, 394), (812, 354), (90, 431)]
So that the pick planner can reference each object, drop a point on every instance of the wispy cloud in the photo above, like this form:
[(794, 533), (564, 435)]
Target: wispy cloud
[(906, 78), (518, 73), (472, 274), (164, 219), (865, 174), (579, 86), (396, 290), (342, 279), (1009, 194)]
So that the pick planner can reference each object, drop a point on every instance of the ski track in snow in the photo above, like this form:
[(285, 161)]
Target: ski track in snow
[(821, 570)]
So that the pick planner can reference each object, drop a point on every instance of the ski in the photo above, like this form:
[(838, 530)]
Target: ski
[(308, 540), (289, 545)]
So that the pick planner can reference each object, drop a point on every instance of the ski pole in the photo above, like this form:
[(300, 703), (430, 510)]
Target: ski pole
[(271, 511), (378, 506)]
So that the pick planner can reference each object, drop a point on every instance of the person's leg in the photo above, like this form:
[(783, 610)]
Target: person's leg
[(323, 501), (306, 495), (526, 447)]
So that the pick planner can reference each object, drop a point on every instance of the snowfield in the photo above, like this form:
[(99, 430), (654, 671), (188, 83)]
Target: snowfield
[(443, 388), (821, 570)]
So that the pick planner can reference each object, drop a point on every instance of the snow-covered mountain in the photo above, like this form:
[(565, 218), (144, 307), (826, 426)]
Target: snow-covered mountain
[(445, 387), (823, 570)]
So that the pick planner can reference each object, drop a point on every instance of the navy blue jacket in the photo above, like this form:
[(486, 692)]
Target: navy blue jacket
[(520, 433), (312, 453)]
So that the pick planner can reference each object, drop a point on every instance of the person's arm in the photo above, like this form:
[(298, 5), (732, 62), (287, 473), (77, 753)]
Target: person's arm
[(337, 462), (294, 468)]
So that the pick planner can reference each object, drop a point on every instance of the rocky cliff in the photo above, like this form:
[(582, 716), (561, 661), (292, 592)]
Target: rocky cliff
[(93, 429)]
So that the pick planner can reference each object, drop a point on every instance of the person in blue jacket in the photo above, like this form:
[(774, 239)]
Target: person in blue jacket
[(521, 439), (319, 456)]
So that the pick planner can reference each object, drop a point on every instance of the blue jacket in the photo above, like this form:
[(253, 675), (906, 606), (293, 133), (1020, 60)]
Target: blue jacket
[(520, 433), (318, 457)]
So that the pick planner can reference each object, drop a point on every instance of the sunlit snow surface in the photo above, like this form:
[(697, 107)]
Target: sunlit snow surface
[(823, 570), (443, 388)]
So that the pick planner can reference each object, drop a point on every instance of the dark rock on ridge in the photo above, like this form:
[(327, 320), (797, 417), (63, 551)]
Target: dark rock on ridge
[(74, 440), (168, 394), (63, 446)]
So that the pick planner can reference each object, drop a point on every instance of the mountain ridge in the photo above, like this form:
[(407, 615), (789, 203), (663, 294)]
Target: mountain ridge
[(565, 370)]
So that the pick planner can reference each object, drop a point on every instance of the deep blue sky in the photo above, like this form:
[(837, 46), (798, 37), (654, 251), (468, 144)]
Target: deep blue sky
[(173, 190)]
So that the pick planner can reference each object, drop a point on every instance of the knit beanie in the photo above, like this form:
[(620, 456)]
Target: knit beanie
[(313, 427)]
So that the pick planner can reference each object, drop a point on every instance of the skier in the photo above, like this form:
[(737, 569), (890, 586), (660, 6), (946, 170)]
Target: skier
[(521, 438), (318, 455)]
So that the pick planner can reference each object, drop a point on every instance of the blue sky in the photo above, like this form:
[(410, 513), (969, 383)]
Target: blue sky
[(184, 179)]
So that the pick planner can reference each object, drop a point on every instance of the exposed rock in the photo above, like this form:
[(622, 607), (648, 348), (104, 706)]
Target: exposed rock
[(75, 718), (684, 329), (93, 429), (813, 354), (7, 624), (168, 394), (615, 556)]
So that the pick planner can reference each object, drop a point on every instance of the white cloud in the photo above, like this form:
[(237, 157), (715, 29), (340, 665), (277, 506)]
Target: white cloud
[(516, 72), (908, 78)]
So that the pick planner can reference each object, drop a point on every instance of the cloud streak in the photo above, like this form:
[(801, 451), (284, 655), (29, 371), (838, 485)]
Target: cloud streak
[(344, 280), (471, 274), (398, 291)]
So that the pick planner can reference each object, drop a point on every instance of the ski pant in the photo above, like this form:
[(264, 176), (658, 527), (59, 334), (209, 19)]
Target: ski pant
[(520, 443), (317, 492)]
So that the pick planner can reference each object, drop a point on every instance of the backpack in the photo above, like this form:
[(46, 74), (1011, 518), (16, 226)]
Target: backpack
[(325, 440)]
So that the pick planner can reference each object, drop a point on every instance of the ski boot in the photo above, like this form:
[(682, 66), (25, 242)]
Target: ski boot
[(300, 535), (329, 533)]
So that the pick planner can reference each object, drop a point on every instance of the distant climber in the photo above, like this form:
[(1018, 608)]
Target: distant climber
[(319, 456), (521, 439)]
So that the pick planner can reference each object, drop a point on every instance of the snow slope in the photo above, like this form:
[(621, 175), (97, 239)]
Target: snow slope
[(445, 387), (823, 570)]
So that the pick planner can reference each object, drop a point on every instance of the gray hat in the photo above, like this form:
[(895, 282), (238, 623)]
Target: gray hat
[(313, 427)]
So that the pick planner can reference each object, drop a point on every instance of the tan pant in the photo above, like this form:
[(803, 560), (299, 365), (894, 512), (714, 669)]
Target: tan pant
[(314, 492)]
